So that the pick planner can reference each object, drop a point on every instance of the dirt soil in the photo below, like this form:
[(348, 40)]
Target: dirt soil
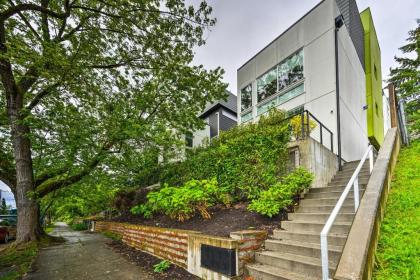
[(147, 262), (223, 221)]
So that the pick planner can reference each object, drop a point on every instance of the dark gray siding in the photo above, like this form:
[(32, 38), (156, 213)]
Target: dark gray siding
[(213, 123), (225, 122), (353, 22)]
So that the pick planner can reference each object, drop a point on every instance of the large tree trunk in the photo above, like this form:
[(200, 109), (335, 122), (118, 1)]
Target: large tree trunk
[(28, 227)]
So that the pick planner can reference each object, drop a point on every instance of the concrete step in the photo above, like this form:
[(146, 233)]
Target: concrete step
[(325, 201), (303, 248), (349, 172), (323, 209), (314, 227), (333, 189), (267, 272), (320, 217), (298, 264), (340, 177), (343, 181), (334, 239), (333, 194)]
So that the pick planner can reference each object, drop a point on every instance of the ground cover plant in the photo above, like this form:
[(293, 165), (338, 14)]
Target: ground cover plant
[(398, 253)]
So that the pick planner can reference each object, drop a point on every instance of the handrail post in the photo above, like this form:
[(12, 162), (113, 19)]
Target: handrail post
[(324, 256), (371, 159), (307, 124), (332, 142), (320, 133), (302, 123), (356, 194)]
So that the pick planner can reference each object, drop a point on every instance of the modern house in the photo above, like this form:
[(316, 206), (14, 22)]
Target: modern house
[(328, 63), (220, 115)]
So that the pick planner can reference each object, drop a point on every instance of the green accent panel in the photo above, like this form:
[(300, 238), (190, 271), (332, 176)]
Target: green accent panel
[(375, 119)]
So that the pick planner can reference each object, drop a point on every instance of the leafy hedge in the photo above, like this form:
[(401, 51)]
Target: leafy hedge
[(246, 163), (244, 160)]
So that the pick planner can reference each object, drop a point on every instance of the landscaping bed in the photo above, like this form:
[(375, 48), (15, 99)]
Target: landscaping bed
[(148, 262), (223, 220)]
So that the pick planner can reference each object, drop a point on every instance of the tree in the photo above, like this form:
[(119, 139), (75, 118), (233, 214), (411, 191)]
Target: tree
[(88, 84), (406, 77)]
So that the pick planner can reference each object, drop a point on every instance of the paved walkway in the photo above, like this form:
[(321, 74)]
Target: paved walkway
[(84, 256)]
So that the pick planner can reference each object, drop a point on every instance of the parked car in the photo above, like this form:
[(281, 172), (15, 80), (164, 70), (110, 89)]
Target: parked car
[(7, 229)]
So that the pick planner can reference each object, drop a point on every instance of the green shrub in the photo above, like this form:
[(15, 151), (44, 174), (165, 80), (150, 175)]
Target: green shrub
[(79, 226), (182, 202), (161, 267), (270, 202), (244, 160)]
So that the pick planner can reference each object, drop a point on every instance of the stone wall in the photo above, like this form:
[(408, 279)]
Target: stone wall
[(183, 247)]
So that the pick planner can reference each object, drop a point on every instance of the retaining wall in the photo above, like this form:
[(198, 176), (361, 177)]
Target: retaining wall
[(358, 258), (183, 247)]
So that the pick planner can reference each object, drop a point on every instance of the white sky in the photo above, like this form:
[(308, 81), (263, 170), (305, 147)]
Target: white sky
[(244, 27)]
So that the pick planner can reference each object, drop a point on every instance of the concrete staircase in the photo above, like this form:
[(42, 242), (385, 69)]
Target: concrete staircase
[(293, 252)]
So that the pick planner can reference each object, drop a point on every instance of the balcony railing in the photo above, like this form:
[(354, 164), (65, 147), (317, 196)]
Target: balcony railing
[(306, 129)]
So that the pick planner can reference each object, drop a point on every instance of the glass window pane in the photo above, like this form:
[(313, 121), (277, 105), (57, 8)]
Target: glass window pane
[(246, 97), (246, 117), (266, 85), (290, 70)]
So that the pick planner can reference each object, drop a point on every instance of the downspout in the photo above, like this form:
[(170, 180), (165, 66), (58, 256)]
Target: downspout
[(339, 21)]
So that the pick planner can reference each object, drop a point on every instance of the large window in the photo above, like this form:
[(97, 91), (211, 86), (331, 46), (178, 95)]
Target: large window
[(285, 74), (290, 70), (266, 85), (246, 97)]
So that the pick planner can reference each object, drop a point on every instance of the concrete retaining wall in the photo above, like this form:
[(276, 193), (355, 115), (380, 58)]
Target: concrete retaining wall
[(357, 260), (183, 247), (317, 159)]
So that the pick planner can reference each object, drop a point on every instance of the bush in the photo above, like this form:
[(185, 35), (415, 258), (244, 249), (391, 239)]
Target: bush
[(79, 226), (280, 195), (244, 160), (183, 202)]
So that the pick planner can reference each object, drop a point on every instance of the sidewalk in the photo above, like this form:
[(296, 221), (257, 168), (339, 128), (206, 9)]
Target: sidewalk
[(84, 256)]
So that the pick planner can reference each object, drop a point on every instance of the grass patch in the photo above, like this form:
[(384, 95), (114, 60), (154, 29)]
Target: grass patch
[(398, 253), (15, 261), (112, 235), (49, 228)]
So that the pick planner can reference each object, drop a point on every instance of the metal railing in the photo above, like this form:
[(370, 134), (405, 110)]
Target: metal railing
[(305, 126), (354, 182)]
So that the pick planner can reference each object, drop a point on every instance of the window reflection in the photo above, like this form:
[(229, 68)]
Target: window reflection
[(246, 97), (290, 70), (266, 85)]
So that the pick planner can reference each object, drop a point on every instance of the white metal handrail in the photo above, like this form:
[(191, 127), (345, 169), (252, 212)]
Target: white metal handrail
[(354, 181)]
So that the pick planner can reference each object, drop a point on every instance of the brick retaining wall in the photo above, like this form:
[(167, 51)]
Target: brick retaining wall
[(181, 247)]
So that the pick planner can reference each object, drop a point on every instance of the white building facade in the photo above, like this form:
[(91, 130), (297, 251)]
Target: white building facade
[(297, 71)]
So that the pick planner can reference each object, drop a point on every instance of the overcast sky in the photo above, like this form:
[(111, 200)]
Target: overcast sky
[(244, 27)]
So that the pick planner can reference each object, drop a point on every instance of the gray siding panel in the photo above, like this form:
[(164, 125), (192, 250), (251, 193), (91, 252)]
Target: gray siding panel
[(225, 122), (353, 22)]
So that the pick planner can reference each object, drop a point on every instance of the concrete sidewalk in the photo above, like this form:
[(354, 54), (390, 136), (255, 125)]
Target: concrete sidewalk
[(84, 256)]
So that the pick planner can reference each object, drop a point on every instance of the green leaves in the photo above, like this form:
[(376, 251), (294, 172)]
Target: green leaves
[(270, 202), (244, 160), (182, 202)]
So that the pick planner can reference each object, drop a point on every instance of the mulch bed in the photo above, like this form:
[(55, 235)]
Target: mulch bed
[(147, 262), (223, 221)]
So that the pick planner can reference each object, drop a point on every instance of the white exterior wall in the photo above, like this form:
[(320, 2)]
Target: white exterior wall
[(200, 135), (315, 33)]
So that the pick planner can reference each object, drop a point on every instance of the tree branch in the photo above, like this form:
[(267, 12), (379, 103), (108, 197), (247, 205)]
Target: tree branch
[(64, 180), (34, 102), (30, 7)]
